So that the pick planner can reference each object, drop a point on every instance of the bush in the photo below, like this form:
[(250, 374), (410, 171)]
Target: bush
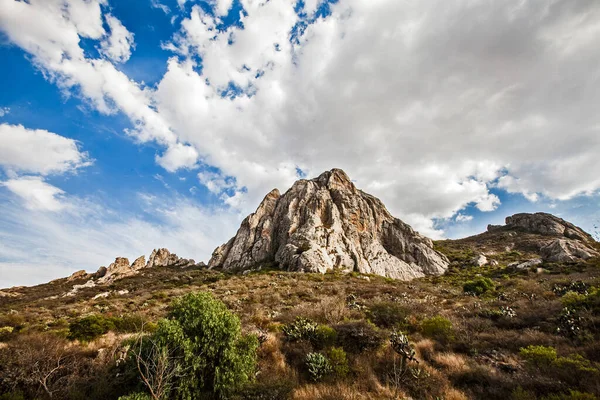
[(320, 336), (212, 357), (339, 362), (301, 328), (572, 395), (136, 396), (538, 356), (324, 336), (358, 336), (478, 286), (130, 323), (318, 366), (388, 315), (438, 328), (89, 328)]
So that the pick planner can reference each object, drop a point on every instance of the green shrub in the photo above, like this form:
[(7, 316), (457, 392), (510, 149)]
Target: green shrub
[(572, 395), (300, 329), (338, 361), (130, 323), (324, 336), (358, 336), (478, 286), (212, 356), (573, 299), (438, 328), (318, 366), (538, 356), (89, 328), (388, 315), (12, 396), (136, 396)]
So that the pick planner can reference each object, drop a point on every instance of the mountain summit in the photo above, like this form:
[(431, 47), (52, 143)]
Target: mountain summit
[(327, 223)]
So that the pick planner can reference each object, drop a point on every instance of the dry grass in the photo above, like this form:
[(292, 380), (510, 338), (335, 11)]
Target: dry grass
[(451, 362), (343, 391)]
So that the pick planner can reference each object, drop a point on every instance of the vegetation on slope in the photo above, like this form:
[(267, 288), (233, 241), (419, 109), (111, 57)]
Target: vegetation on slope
[(275, 335)]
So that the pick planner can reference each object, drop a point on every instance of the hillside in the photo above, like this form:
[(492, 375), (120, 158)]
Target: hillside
[(516, 315)]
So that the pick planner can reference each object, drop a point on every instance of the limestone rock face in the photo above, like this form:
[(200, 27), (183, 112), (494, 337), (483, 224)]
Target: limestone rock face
[(139, 263), (547, 224), (327, 223), (120, 268), (567, 250), (77, 275), (161, 258)]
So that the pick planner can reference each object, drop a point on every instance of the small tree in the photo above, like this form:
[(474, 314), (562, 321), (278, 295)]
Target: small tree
[(156, 365), (211, 355)]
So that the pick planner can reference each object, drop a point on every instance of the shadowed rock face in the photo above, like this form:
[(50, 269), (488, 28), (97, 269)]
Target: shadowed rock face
[(327, 223)]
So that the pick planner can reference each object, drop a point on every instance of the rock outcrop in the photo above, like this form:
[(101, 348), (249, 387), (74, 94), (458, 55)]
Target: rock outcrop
[(327, 223), (158, 258), (567, 250), (544, 224), (559, 241)]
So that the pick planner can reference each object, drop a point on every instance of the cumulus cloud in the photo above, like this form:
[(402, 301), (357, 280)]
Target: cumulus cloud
[(91, 234), (430, 126), (426, 104), (178, 156), (117, 46), (35, 193), (4, 111), (463, 217), (38, 151)]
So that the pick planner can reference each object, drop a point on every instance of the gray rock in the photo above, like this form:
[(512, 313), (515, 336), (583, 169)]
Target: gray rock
[(327, 223), (528, 264), (547, 224), (567, 250), (479, 260), (161, 258)]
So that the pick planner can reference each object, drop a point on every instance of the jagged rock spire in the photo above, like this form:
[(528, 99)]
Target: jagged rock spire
[(327, 223)]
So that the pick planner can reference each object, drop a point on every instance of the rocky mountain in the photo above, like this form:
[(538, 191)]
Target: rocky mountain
[(324, 224), (527, 240), (558, 240)]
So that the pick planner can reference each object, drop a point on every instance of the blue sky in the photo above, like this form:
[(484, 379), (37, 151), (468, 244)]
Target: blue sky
[(126, 126)]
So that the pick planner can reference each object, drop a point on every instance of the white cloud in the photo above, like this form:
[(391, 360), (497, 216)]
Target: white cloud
[(428, 127), (463, 217), (158, 5), (38, 151), (424, 112), (4, 111), (117, 46), (216, 183), (90, 234), (36, 194), (178, 156)]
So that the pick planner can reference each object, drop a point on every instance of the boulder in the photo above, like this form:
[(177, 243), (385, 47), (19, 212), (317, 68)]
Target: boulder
[(161, 258), (324, 224), (528, 264), (479, 260), (81, 274), (567, 250)]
